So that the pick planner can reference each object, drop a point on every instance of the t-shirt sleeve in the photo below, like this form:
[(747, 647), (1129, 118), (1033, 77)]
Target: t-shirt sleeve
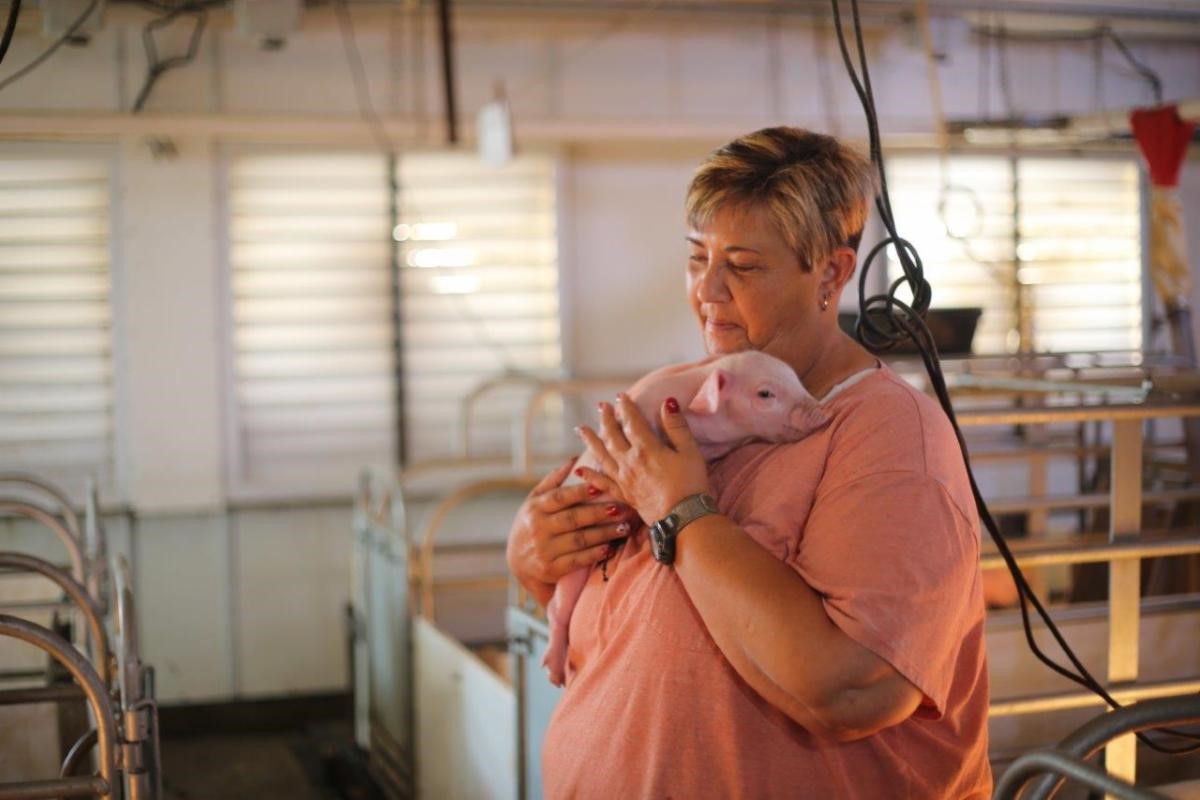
[(896, 563)]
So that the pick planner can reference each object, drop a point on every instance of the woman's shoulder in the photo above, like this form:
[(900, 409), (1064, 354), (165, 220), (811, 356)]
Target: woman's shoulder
[(884, 424)]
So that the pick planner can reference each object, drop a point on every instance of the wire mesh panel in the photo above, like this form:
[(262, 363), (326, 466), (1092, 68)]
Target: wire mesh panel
[(56, 369)]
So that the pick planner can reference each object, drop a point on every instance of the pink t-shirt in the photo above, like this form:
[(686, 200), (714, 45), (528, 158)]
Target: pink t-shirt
[(876, 514)]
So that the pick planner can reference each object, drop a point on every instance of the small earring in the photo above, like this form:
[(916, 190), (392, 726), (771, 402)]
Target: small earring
[(825, 302)]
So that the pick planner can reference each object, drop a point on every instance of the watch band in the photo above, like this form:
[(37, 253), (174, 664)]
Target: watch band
[(664, 532)]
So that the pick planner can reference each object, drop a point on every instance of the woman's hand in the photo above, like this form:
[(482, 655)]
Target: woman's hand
[(557, 530), (651, 474)]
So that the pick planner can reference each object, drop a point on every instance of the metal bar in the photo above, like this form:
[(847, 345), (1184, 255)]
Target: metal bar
[(38, 514), (79, 595), (1121, 551), (47, 488), (1020, 706), (55, 788), (424, 573), (1053, 414), (1013, 504), (97, 696), (1087, 740), (1039, 762), (1124, 581), (40, 694)]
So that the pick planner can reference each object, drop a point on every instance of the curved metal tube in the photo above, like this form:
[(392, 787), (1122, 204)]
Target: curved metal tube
[(467, 404), (96, 546), (79, 595), (1061, 764), (129, 664), (523, 453), (66, 654), (1087, 740), (39, 514), (424, 576), (47, 488), (81, 748)]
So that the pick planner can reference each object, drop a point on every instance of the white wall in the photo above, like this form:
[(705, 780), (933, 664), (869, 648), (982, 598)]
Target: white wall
[(249, 603)]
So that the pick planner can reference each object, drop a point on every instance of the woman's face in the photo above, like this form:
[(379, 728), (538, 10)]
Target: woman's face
[(749, 290)]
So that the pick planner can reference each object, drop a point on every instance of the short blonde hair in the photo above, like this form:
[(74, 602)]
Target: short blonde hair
[(816, 190)]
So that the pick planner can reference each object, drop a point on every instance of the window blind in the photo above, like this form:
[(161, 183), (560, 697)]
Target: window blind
[(1019, 240), (313, 394), (311, 238), (56, 375), (479, 292)]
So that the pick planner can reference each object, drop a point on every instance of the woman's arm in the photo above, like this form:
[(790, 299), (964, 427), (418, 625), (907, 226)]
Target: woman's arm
[(769, 624), (773, 629)]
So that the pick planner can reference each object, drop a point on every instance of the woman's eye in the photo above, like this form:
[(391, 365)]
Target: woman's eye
[(743, 267), (765, 394)]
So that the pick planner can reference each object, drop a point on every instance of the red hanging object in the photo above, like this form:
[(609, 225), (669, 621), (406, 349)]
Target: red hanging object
[(1163, 139)]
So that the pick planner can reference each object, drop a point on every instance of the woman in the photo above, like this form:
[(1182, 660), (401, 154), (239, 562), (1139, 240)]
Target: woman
[(822, 634)]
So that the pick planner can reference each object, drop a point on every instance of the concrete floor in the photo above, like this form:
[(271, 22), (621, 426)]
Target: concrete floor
[(305, 765)]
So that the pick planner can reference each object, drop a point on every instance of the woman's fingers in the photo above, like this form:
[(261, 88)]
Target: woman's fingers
[(583, 540), (588, 515), (597, 447), (560, 497), (605, 484), (635, 427), (610, 431), (553, 478)]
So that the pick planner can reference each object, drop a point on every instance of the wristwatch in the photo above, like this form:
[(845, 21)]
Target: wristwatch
[(686, 511)]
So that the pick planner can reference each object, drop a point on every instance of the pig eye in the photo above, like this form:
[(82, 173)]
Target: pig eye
[(765, 394)]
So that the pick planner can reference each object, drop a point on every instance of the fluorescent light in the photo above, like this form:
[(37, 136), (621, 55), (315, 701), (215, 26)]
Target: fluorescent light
[(455, 284), (433, 257), (425, 232)]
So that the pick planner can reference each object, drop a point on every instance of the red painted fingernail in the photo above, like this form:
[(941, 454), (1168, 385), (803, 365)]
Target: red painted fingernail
[(579, 471), (672, 405), (592, 491), (612, 509)]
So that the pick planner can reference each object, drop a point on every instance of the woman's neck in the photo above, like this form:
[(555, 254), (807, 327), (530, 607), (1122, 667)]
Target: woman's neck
[(836, 360)]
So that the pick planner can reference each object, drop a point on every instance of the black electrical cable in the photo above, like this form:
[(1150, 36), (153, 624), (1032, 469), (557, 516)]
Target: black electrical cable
[(9, 28), (884, 320), (155, 69), (68, 34)]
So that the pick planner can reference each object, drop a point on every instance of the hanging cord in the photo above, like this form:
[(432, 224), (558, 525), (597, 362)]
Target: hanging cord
[(68, 34), (155, 68), (895, 321), (9, 28)]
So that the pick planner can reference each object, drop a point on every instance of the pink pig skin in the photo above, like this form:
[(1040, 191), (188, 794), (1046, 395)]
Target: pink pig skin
[(728, 400)]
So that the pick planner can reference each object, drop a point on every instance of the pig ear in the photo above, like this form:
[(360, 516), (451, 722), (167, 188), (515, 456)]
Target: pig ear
[(708, 399), (807, 416)]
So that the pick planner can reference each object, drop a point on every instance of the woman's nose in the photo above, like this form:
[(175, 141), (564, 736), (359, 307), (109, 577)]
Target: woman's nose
[(710, 284)]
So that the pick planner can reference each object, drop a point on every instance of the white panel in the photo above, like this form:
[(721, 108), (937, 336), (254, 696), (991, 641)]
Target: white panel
[(628, 231), (466, 719), (182, 590), (596, 73), (172, 355), (75, 77), (292, 587)]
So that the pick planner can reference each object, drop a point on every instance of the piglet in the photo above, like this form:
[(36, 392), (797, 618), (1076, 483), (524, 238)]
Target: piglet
[(728, 400)]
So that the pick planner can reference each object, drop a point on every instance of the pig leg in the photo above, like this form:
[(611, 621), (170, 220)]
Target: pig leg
[(558, 614)]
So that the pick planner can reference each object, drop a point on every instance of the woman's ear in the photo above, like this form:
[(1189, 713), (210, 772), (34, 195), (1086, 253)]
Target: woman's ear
[(839, 269)]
